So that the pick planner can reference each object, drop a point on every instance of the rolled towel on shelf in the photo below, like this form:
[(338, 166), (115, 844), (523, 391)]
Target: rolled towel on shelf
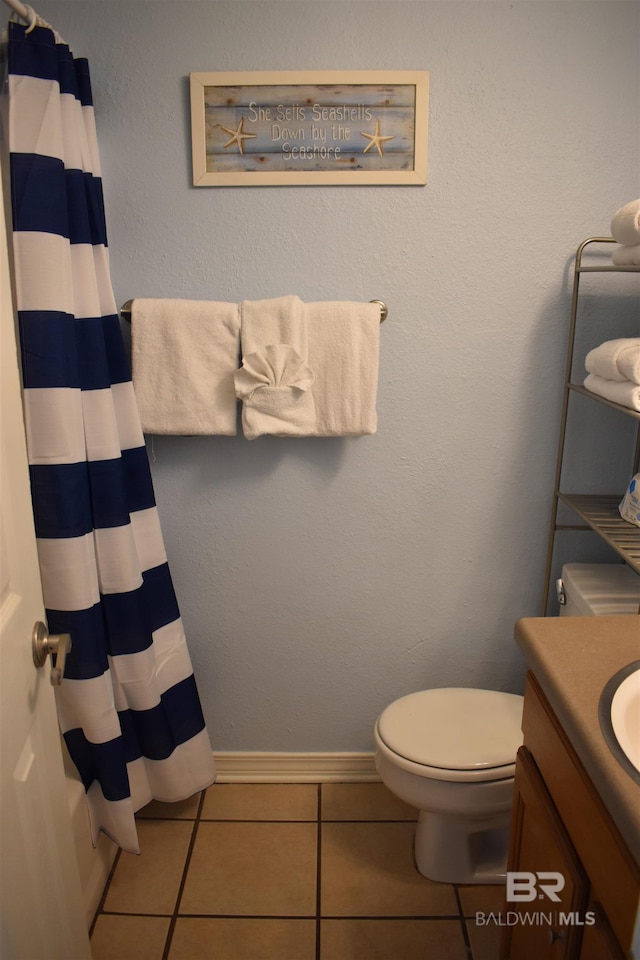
[(629, 362), (616, 359), (184, 354), (626, 256), (624, 392), (625, 224)]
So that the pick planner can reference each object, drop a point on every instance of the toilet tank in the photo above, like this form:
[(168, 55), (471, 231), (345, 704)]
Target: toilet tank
[(598, 589)]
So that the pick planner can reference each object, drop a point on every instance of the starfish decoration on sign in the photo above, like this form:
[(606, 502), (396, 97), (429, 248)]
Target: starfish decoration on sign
[(238, 135), (376, 140)]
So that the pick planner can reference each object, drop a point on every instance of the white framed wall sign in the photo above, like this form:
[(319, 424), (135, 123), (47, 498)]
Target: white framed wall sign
[(318, 127)]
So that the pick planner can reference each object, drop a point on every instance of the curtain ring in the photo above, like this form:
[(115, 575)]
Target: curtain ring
[(33, 18)]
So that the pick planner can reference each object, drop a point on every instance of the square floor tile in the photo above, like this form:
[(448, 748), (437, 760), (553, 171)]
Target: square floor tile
[(252, 869), (367, 869), (149, 882), (261, 801), (129, 938), (363, 801), (392, 940), (180, 810), (485, 941), (243, 939), (486, 898)]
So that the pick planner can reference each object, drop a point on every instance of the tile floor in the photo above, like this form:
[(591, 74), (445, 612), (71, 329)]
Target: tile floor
[(286, 872)]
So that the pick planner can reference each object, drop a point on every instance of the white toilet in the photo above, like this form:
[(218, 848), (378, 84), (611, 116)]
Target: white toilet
[(451, 753)]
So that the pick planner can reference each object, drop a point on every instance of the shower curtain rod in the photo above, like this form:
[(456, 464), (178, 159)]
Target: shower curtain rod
[(25, 12), (33, 19)]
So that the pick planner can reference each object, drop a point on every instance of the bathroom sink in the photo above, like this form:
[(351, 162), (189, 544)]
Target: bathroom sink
[(625, 716), (620, 717)]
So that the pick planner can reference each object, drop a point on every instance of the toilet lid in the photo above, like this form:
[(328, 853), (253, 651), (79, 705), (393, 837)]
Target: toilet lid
[(454, 728)]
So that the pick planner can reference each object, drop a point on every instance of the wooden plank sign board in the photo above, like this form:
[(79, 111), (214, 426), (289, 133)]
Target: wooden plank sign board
[(330, 127)]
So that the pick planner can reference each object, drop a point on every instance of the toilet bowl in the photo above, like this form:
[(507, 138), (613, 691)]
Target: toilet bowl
[(451, 752)]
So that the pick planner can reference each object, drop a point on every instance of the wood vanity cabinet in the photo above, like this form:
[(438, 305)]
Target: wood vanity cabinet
[(540, 842), (560, 824), (598, 941)]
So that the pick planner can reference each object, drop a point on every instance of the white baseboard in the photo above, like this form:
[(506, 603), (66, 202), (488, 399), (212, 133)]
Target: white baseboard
[(247, 767)]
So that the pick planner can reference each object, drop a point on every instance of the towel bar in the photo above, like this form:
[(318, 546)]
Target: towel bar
[(125, 310), (383, 309)]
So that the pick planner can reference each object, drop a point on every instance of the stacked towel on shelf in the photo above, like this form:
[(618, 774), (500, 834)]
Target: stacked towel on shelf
[(616, 359), (624, 392), (309, 370), (625, 229), (184, 354), (614, 371), (627, 256)]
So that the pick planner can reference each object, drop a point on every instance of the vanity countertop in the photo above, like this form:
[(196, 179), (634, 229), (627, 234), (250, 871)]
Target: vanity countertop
[(572, 659)]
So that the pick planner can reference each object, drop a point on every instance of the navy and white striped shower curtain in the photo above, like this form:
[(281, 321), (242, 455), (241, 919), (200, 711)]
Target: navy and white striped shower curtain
[(128, 706)]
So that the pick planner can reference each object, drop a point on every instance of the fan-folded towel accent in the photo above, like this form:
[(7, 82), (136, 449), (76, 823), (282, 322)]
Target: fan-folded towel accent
[(624, 392), (274, 381), (325, 384), (626, 256), (184, 354), (625, 224), (274, 385), (616, 359)]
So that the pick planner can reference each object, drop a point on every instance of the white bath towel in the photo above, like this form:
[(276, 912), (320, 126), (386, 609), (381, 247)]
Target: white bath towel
[(625, 224), (624, 392), (344, 347), (616, 359), (324, 384), (184, 354), (279, 320), (626, 256), (275, 380)]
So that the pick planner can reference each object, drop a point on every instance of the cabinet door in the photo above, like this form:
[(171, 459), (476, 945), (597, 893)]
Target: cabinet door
[(542, 927), (598, 941)]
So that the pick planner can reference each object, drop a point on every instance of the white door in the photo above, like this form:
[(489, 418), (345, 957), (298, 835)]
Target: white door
[(41, 906)]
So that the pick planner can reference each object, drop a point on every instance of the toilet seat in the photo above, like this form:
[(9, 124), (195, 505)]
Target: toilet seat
[(454, 733)]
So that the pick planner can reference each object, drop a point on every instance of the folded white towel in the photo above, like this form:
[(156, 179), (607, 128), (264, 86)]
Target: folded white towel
[(625, 225), (616, 359), (626, 256), (344, 348), (183, 355), (626, 393), (308, 369)]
